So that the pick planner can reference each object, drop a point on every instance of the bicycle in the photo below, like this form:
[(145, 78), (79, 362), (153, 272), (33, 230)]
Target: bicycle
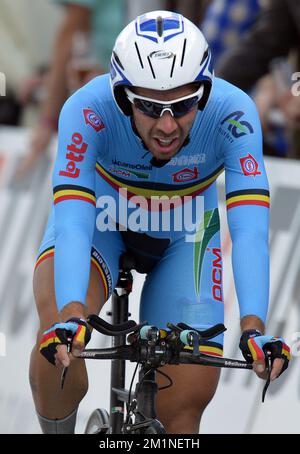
[(150, 348)]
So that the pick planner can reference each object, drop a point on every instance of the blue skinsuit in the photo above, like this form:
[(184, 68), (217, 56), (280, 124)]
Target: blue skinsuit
[(99, 154)]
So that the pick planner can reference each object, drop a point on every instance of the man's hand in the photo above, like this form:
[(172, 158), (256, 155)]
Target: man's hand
[(256, 347), (64, 340)]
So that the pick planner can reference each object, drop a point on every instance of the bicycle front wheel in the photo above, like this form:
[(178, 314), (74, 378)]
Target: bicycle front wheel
[(98, 422)]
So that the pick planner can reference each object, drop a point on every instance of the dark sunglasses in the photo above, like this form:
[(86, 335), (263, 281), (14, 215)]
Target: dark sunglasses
[(155, 109)]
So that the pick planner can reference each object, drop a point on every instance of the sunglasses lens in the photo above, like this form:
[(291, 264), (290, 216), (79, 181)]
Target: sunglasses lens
[(149, 108), (183, 107)]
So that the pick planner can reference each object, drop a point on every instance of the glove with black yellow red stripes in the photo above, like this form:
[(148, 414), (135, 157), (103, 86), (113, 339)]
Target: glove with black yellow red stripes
[(257, 347), (73, 330)]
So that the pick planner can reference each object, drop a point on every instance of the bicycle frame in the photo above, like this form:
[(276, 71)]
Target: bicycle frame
[(147, 388)]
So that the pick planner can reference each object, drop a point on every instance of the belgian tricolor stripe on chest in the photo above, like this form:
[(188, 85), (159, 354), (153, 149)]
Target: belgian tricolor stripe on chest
[(148, 189)]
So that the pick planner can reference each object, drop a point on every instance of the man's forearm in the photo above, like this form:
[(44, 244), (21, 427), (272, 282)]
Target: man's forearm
[(252, 322), (73, 309)]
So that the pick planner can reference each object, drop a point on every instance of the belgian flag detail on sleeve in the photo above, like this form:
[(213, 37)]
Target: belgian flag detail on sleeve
[(49, 252), (259, 197), (72, 192)]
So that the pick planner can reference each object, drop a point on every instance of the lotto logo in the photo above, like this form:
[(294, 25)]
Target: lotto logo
[(76, 154)]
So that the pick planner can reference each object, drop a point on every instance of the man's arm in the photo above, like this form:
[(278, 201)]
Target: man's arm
[(247, 195), (74, 198), (252, 322), (75, 207), (273, 35)]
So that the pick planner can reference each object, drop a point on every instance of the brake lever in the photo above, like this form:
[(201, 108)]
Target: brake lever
[(268, 381), (65, 369), (63, 377)]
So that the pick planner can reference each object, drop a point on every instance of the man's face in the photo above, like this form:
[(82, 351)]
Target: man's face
[(164, 136)]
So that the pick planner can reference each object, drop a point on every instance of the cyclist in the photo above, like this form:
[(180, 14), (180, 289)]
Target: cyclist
[(158, 125)]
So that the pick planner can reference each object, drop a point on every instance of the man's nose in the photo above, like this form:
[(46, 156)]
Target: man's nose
[(167, 123)]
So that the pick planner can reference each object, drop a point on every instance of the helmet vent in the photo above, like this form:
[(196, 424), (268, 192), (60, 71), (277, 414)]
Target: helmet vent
[(205, 55), (118, 60), (173, 65), (139, 55), (151, 67), (183, 53), (159, 26)]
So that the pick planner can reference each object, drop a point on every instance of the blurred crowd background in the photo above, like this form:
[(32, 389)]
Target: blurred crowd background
[(49, 48)]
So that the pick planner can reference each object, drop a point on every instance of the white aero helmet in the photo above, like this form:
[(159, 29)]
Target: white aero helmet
[(160, 50)]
